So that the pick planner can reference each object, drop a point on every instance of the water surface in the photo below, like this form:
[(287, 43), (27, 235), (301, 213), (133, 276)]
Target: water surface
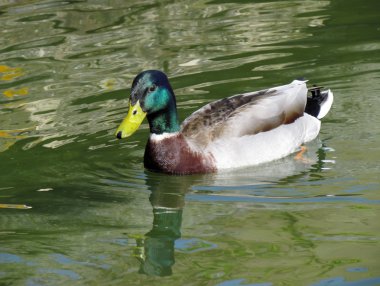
[(77, 206)]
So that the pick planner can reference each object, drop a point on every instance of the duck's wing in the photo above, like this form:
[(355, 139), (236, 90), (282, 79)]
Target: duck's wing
[(246, 114)]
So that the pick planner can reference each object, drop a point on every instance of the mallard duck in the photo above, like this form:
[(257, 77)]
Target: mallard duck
[(237, 131)]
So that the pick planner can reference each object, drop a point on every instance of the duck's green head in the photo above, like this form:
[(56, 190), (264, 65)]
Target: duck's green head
[(151, 96)]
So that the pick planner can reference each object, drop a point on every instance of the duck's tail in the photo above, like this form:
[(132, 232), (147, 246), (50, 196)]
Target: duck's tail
[(319, 104)]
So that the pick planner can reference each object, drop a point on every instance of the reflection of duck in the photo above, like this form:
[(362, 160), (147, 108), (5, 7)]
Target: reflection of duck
[(159, 242), (241, 130), (167, 204)]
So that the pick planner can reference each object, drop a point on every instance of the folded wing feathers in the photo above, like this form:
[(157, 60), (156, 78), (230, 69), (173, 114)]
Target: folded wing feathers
[(246, 114)]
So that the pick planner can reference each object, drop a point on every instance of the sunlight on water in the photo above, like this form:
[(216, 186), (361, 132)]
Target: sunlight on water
[(77, 206)]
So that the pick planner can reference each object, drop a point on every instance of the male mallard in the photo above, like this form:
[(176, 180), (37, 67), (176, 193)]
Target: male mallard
[(241, 130)]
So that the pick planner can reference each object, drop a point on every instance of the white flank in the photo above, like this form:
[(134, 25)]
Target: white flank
[(234, 152)]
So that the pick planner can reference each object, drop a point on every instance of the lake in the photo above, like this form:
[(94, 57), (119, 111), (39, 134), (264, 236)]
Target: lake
[(77, 206)]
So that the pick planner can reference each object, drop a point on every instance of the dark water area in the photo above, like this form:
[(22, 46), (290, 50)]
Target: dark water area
[(77, 206)]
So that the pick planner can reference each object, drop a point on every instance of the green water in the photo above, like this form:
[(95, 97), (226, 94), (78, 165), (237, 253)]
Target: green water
[(77, 206)]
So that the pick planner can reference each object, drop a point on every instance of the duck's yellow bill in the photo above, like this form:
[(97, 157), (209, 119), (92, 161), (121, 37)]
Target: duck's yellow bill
[(132, 122)]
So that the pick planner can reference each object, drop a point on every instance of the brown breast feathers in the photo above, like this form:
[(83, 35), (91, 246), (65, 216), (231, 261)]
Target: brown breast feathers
[(173, 155)]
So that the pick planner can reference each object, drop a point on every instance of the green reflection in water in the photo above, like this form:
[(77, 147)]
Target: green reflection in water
[(159, 242)]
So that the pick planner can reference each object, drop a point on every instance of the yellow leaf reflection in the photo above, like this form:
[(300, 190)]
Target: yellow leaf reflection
[(4, 68), (108, 83), (9, 137), (4, 134), (9, 73), (16, 92), (8, 134), (14, 206), (12, 75)]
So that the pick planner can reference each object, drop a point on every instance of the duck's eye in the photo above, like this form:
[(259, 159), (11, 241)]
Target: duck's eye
[(134, 112), (152, 88)]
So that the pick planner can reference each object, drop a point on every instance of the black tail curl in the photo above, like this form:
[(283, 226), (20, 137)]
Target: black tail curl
[(314, 103)]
